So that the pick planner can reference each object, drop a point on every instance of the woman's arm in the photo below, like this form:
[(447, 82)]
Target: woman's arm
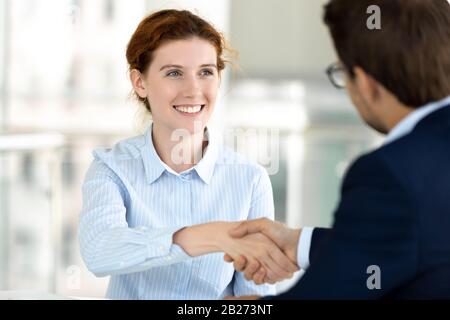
[(107, 244), (204, 238)]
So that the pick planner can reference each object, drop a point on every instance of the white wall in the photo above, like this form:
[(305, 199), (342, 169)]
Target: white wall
[(215, 12), (280, 38)]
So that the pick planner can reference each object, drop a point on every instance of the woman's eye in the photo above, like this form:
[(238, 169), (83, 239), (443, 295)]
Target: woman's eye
[(206, 72), (173, 73)]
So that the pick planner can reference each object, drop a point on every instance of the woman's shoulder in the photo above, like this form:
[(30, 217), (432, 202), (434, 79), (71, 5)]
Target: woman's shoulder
[(126, 149), (120, 158)]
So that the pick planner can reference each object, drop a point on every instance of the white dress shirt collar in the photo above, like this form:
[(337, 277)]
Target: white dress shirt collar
[(154, 166), (407, 124)]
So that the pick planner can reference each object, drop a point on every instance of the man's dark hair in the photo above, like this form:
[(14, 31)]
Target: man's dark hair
[(409, 55)]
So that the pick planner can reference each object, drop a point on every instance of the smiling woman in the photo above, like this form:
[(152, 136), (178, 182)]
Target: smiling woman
[(156, 216), (180, 90)]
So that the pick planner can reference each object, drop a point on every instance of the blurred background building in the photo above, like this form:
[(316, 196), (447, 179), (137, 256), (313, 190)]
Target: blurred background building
[(64, 90)]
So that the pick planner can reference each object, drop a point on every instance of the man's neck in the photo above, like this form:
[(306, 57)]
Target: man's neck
[(398, 113)]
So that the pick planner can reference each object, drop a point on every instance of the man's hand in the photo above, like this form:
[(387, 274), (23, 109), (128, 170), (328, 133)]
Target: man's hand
[(285, 238), (258, 251), (252, 270)]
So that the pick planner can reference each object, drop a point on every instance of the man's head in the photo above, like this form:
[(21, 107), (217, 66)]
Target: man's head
[(401, 66)]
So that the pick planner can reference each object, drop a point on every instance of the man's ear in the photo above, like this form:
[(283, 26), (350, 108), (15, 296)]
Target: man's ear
[(367, 86), (137, 81)]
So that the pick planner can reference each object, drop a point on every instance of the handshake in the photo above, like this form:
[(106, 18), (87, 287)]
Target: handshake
[(264, 250)]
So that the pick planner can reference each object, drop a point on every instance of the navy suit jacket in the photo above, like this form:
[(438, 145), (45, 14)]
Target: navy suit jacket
[(394, 213)]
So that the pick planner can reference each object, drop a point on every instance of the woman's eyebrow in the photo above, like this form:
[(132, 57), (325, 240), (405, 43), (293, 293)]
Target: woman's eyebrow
[(181, 67), (171, 66), (208, 65)]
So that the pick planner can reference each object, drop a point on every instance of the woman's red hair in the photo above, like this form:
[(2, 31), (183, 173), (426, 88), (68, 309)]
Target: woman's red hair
[(168, 25)]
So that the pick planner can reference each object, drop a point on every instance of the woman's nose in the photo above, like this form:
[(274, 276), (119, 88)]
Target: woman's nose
[(192, 87)]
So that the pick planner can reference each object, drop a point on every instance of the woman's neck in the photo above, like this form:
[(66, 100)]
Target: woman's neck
[(179, 151)]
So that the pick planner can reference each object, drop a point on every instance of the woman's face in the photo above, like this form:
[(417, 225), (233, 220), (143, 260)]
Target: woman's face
[(181, 84)]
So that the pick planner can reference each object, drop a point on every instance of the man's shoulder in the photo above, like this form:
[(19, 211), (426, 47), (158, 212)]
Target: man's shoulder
[(426, 142), (407, 159), (420, 149), (366, 163)]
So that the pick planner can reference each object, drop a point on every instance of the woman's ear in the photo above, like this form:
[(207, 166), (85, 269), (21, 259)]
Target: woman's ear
[(137, 81), (367, 86)]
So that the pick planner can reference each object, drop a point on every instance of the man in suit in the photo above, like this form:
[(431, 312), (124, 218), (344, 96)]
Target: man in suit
[(391, 232)]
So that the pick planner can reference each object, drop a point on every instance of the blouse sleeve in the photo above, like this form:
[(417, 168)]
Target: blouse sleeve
[(108, 246)]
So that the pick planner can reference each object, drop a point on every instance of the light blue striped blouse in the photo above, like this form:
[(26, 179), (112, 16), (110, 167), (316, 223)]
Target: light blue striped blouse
[(133, 203)]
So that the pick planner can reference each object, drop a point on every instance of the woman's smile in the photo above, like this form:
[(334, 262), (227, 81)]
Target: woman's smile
[(190, 110)]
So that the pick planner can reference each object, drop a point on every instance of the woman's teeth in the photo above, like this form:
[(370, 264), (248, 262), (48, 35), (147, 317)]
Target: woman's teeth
[(190, 109)]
